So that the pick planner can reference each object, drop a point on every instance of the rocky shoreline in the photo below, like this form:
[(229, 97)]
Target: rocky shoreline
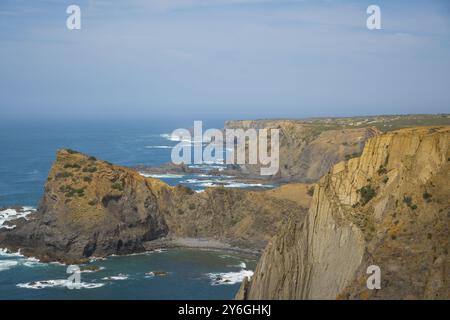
[(93, 208), (202, 244)]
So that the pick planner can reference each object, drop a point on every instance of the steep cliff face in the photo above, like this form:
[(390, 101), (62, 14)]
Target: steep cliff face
[(307, 150), (93, 208), (389, 207)]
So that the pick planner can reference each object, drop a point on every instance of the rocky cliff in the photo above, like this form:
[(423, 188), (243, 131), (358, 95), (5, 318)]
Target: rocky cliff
[(389, 207), (308, 150), (93, 208)]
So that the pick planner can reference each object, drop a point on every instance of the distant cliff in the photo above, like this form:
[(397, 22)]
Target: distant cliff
[(93, 208), (308, 150), (389, 207)]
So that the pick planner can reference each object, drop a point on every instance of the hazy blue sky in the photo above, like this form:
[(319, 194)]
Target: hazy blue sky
[(236, 58)]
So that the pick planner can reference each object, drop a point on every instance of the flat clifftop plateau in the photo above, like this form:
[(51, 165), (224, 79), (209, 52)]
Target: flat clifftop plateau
[(389, 208), (384, 123), (93, 208)]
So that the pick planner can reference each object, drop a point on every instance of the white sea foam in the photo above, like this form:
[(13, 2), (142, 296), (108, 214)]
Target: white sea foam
[(32, 262), (21, 259), (61, 283), (7, 264), (12, 214), (247, 185), (162, 175), (214, 176), (93, 259), (217, 161), (7, 253), (120, 276), (228, 278), (176, 138), (158, 147), (225, 183), (207, 166)]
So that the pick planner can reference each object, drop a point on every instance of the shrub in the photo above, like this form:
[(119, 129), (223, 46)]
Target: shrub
[(74, 166), (192, 206), (90, 169), (351, 156), (382, 170), (310, 191), (93, 202), (385, 180), (87, 178), (180, 212), (427, 196), (409, 203), (92, 158), (72, 151), (63, 174), (407, 200), (367, 193), (71, 192), (117, 186)]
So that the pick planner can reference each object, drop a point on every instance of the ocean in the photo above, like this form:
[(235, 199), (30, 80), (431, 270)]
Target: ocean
[(27, 152)]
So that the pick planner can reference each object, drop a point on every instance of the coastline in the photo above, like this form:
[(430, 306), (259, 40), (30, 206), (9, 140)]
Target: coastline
[(202, 244), (150, 246)]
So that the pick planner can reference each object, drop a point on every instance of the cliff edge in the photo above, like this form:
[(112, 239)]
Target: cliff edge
[(389, 208)]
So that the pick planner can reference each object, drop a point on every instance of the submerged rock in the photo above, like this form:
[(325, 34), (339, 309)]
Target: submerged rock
[(156, 273)]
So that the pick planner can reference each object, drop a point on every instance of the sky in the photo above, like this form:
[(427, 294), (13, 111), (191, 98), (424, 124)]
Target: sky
[(230, 58)]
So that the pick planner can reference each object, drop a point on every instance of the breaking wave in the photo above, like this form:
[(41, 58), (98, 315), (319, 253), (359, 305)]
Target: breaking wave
[(229, 278), (62, 283), (11, 214), (120, 276)]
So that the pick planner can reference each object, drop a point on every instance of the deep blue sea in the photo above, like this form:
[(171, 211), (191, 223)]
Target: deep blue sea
[(27, 152)]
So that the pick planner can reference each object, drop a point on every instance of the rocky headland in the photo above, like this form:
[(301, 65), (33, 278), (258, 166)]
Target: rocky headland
[(93, 208)]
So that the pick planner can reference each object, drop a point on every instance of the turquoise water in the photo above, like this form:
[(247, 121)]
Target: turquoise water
[(27, 152)]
